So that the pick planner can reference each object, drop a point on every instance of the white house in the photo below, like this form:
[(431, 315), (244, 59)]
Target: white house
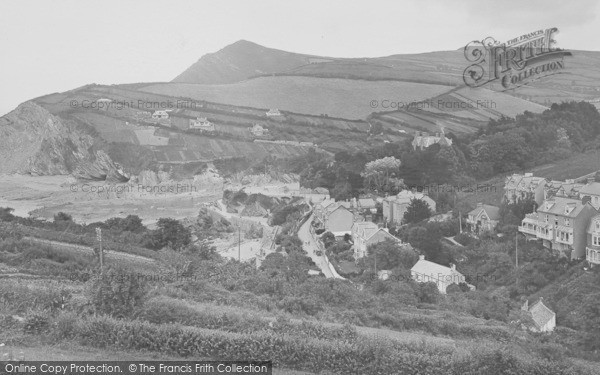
[(425, 271), (544, 319), (202, 124), (273, 112), (160, 115)]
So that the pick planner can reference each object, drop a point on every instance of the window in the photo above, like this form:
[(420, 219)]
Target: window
[(567, 222), (596, 240), (547, 218), (555, 221), (597, 224)]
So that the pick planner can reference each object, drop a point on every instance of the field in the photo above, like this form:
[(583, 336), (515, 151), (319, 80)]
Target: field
[(316, 96)]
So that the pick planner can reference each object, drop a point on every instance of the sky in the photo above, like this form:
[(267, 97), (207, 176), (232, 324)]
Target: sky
[(55, 46)]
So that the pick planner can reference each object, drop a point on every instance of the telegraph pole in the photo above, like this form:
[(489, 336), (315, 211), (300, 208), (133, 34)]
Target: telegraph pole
[(239, 243), (517, 256), (101, 252)]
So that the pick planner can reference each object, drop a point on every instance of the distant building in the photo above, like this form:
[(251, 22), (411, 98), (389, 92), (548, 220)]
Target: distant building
[(395, 206), (544, 319), (483, 218), (273, 112), (425, 271), (365, 234), (202, 124), (423, 140), (258, 131), (520, 187), (160, 115)]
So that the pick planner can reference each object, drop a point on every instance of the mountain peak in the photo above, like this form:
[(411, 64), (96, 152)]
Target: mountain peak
[(239, 61)]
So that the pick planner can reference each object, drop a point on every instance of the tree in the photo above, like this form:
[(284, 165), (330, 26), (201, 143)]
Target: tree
[(171, 233), (6, 214), (62, 217), (132, 223), (417, 211), (378, 173), (328, 239)]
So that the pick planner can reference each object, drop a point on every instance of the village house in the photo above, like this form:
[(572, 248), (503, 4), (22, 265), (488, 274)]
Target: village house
[(544, 319), (258, 131), (334, 217), (520, 187), (365, 205), (592, 251), (425, 271), (395, 206), (562, 225), (592, 190), (567, 189), (365, 234), (483, 218), (273, 112), (201, 124), (422, 140)]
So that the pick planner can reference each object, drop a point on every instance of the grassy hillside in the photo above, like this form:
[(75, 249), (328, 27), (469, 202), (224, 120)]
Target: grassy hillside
[(332, 96)]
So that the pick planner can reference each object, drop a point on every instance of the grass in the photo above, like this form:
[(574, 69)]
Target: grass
[(332, 96)]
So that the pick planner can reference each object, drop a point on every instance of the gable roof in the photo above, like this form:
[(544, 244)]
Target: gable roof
[(386, 234), (425, 267), (558, 205), (541, 314), (492, 212)]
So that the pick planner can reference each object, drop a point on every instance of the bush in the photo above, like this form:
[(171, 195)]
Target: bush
[(118, 293)]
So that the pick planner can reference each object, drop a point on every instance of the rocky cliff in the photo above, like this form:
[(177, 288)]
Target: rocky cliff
[(33, 141)]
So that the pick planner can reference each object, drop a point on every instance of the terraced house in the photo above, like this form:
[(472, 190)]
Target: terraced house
[(592, 251), (561, 224), (519, 187), (567, 189)]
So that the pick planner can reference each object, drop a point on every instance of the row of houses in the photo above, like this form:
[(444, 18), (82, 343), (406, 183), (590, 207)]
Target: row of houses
[(567, 218)]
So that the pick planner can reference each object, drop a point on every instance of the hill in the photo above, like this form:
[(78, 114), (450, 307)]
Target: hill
[(245, 60), (239, 61)]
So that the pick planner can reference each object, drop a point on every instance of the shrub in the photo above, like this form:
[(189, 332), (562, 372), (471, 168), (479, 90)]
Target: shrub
[(118, 293)]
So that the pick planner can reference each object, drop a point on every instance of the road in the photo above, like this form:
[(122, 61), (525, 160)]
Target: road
[(310, 245)]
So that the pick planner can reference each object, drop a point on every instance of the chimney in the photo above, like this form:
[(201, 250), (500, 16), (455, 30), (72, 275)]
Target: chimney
[(570, 181), (591, 180), (479, 204), (437, 135), (586, 199), (453, 266), (528, 174), (525, 306), (421, 257)]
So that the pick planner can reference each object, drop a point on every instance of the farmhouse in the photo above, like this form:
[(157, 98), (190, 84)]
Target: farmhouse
[(202, 124), (422, 140), (273, 112), (160, 115)]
